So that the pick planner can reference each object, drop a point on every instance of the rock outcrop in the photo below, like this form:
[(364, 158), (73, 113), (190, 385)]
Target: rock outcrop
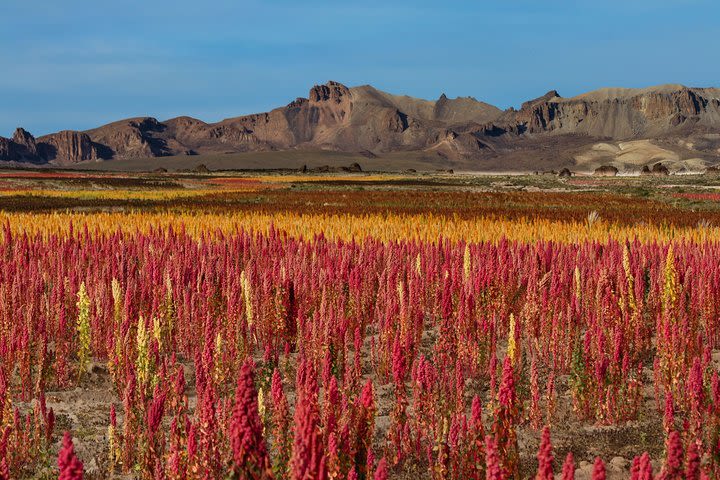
[(605, 171), (659, 169), (22, 147), (25, 142), (67, 147), (7, 150)]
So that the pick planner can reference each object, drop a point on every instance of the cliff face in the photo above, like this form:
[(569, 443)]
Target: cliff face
[(360, 119), (67, 147), (7, 150), (622, 113)]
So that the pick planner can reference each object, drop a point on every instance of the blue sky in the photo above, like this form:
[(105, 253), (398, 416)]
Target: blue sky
[(77, 64)]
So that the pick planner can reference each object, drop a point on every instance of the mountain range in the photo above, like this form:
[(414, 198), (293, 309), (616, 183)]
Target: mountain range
[(628, 128)]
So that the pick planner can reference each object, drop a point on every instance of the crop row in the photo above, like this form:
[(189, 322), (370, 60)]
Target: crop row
[(386, 227)]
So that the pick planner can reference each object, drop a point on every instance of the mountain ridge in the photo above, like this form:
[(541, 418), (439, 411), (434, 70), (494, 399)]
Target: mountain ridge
[(363, 119)]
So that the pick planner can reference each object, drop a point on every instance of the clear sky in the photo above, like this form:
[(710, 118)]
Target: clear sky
[(76, 64)]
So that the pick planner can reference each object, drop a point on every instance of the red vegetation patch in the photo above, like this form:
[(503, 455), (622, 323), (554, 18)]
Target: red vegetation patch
[(320, 358), (705, 196)]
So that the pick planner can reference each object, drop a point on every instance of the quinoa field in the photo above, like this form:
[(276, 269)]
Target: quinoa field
[(358, 326)]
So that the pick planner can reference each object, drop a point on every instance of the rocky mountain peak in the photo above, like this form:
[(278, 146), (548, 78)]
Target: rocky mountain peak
[(25, 141), (147, 124), (22, 136), (331, 91), (549, 96)]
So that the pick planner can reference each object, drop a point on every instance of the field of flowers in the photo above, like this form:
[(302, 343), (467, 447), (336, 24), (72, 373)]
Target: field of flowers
[(379, 336)]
